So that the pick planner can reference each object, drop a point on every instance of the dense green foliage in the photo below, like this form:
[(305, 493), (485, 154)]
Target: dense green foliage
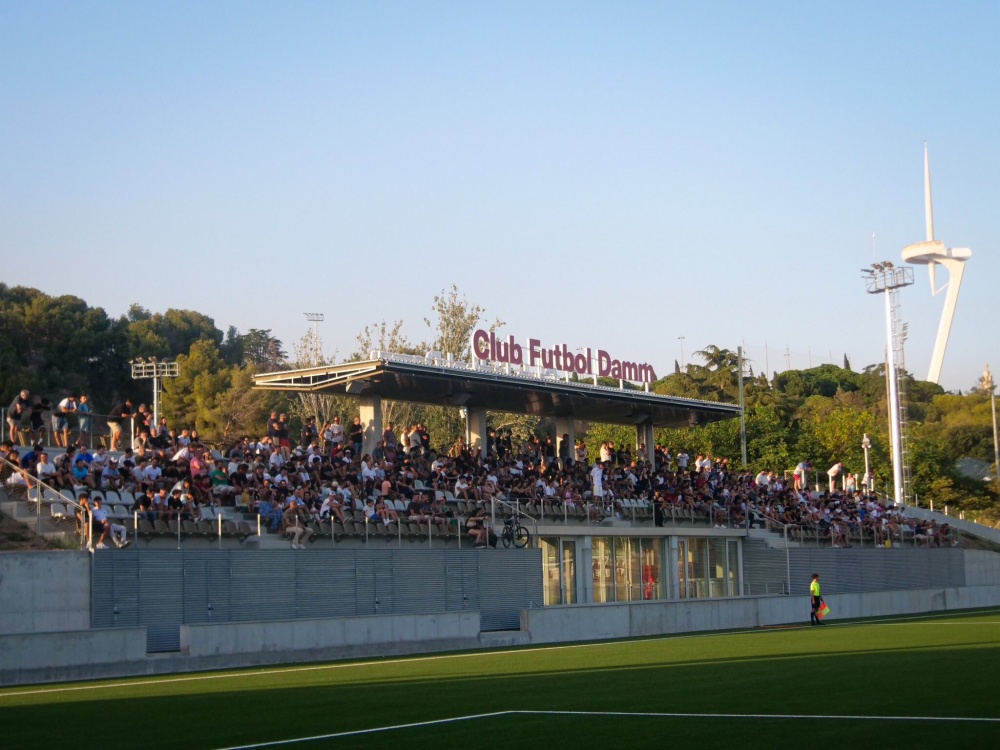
[(754, 689), (56, 344)]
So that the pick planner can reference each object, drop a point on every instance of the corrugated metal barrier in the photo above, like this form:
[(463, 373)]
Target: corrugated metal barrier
[(855, 570), (163, 589)]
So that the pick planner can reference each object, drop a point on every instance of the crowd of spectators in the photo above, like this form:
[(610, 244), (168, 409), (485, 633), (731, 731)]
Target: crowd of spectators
[(324, 475)]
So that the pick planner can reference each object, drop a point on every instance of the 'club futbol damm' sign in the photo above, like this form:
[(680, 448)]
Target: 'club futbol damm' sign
[(486, 346)]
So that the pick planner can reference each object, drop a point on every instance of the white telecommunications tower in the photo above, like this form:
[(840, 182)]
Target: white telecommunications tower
[(932, 253)]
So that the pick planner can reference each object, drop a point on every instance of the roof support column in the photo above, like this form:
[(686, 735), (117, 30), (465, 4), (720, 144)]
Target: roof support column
[(371, 420), (475, 430), (565, 433), (644, 447)]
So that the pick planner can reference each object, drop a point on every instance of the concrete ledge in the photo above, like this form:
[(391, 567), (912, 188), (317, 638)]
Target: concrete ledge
[(345, 634), (607, 621), (85, 654)]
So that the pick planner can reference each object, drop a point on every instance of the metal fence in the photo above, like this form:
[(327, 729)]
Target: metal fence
[(163, 589), (89, 428)]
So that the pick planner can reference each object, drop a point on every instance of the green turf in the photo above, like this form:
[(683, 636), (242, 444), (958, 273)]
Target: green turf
[(921, 667)]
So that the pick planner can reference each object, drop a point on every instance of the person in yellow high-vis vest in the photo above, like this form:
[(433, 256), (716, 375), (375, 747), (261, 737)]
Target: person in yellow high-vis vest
[(816, 600)]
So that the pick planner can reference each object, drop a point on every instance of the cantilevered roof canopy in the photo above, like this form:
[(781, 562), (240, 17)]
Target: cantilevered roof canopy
[(440, 382)]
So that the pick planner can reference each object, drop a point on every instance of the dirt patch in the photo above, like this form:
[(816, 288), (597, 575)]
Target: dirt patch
[(16, 537)]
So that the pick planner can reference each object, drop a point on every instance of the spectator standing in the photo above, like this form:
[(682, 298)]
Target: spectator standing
[(60, 420), (357, 436), (38, 420), (336, 436), (801, 475), (832, 473), (143, 428), (117, 419), (272, 427), (15, 413), (284, 440), (83, 419)]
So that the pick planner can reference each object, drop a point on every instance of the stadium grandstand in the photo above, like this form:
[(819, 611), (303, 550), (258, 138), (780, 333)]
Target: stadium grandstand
[(374, 520)]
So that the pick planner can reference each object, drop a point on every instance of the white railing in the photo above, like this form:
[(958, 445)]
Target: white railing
[(30, 484)]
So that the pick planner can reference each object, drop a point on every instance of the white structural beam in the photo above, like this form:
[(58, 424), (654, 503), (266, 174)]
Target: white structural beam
[(932, 253)]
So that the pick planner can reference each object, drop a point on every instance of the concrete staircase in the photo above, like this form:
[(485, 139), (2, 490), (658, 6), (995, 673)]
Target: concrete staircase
[(43, 524), (772, 539)]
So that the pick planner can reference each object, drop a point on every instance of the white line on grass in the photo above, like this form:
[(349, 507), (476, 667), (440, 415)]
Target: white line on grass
[(471, 654), (353, 732), (620, 714)]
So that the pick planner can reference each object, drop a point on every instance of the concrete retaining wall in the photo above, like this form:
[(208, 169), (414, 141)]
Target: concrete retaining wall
[(982, 568), (121, 652), (80, 655), (44, 592), (607, 621), (340, 637)]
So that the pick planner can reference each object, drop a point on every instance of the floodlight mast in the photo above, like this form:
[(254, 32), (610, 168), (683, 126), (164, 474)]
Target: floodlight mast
[(154, 370), (315, 319), (884, 278)]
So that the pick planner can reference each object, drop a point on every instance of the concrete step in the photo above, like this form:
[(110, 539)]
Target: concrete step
[(504, 638), (772, 539)]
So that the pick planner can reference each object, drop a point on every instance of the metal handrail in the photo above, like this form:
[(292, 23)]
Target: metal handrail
[(39, 485)]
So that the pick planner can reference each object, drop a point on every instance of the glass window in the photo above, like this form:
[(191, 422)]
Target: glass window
[(623, 569), (717, 578), (734, 567), (551, 587), (569, 571), (682, 569), (603, 564), (652, 574)]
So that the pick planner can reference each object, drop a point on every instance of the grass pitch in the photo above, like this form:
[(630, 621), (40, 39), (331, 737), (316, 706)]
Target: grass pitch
[(902, 682)]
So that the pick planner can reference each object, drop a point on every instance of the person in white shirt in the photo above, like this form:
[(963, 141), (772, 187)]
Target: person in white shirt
[(152, 473), (682, 460), (597, 481), (605, 453), (763, 479), (45, 470), (801, 475), (832, 473)]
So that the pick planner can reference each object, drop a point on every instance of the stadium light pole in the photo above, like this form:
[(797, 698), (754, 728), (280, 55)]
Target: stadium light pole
[(884, 278), (866, 444), (681, 339), (988, 387), (155, 370), (315, 319)]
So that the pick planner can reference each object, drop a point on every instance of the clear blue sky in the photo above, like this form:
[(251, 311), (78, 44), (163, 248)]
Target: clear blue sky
[(610, 174)]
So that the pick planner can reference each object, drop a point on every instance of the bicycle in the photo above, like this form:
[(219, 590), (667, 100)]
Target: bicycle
[(514, 533)]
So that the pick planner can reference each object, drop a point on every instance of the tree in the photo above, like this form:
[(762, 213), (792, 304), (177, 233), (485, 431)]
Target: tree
[(190, 399), (384, 338), (262, 351), (54, 345), (169, 334), (323, 406), (454, 324)]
